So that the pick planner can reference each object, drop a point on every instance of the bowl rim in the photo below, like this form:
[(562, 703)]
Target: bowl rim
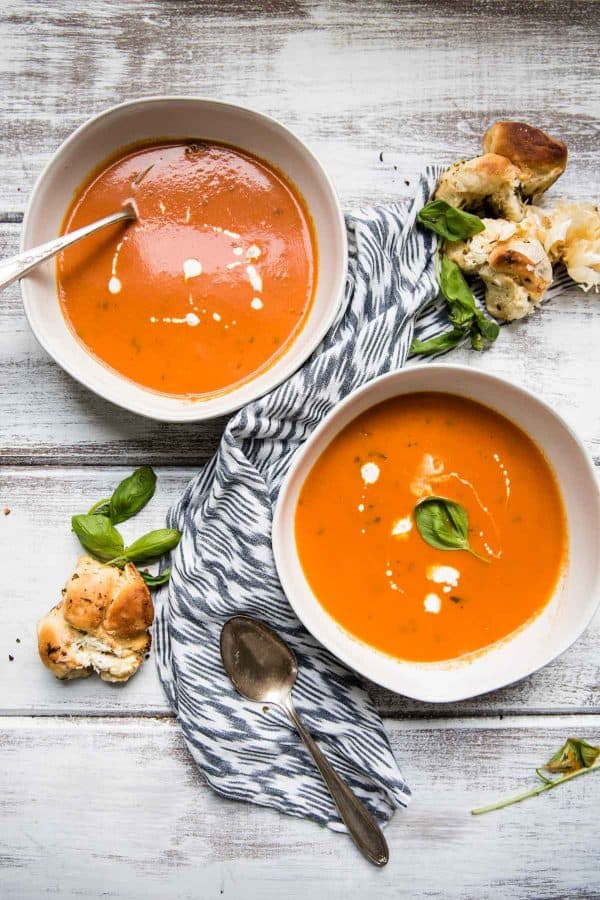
[(189, 409), (347, 639)]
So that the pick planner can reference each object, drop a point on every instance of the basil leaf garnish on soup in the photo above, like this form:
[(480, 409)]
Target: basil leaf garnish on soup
[(444, 524), (449, 222)]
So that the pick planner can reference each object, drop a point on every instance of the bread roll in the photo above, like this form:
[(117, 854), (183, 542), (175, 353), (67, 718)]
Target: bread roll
[(541, 158), (100, 625)]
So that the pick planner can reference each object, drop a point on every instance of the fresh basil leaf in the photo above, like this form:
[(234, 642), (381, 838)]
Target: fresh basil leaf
[(98, 536), (101, 508), (437, 344), (150, 546), (449, 222), (444, 524), (156, 580), (463, 311), (132, 494), (455, 288)]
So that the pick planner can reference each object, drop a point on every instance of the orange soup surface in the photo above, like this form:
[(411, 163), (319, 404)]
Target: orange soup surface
[(211, 283), (371, 569)]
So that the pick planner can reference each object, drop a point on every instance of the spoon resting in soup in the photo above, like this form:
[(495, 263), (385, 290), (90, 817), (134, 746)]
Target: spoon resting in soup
[(211, 284)]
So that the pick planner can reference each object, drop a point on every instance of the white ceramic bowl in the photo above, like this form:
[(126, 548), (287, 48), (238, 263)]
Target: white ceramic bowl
[(168, 118), (570, 609)]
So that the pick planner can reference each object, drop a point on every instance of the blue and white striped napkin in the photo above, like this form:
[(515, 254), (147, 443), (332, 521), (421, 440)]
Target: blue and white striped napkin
[(224, 564)]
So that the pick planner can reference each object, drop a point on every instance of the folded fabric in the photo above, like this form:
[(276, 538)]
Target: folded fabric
[(224, 564)]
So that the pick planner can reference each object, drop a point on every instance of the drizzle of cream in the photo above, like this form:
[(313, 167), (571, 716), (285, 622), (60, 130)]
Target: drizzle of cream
[(191, 268), (254, 278), (432, 603), (253, 252), (370, 472), (447, 575), (162, 207), (429, 467), (431, 472), (402, 527), (234, 265), (187, 215), (219, 230), (114, 284), (505, 475), (256, 303), (237, 251), (189, 319)]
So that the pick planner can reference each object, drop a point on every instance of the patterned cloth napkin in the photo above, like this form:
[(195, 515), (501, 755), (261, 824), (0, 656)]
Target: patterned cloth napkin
[(224, 564)]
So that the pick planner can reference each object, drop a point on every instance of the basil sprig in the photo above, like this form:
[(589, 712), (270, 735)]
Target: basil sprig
[(575, 758), (444, 524), (97, 533), (447, 221), (464, 314), (467, 319)]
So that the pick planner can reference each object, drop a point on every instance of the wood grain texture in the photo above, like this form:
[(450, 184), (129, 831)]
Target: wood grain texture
[(116, 809), (421, 79), (37, 548), (95, 806)]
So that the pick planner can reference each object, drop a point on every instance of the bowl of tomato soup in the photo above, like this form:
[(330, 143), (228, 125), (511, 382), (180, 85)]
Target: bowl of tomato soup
[(439, 533), (227, 281)]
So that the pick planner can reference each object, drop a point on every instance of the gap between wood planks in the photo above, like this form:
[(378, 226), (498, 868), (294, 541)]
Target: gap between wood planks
[(413, 716)]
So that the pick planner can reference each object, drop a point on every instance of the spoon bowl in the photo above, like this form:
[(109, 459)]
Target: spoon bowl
[(263, 668)]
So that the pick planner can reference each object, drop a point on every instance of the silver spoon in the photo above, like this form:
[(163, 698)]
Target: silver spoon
[(263, 668), (16, 267)]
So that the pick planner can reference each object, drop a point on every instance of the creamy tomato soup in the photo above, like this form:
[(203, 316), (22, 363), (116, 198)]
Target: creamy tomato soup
[(366, 560), (209, 286)]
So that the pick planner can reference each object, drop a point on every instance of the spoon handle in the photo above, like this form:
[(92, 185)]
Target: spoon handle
[(16, 267), (365, 831)]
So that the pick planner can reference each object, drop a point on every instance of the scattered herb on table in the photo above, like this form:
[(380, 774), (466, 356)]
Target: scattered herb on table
[(464, 314), (576, 757), (97, 533), (444, 524)]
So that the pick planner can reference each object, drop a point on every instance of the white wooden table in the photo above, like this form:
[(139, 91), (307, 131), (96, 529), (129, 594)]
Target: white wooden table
[(98, 796)]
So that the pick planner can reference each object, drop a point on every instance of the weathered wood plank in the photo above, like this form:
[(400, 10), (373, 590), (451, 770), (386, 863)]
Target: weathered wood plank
[(86, 812), (37, 549), (418, 78), (48, 418)]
